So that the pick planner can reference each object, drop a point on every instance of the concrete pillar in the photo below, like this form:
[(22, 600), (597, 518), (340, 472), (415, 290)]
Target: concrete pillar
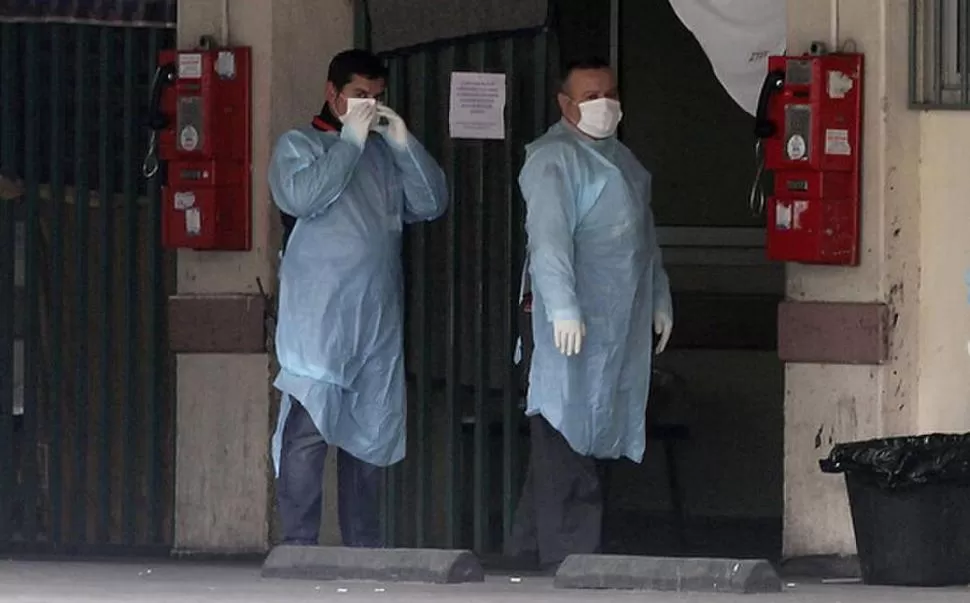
[(944, 344), (225, 416), (829, 403)]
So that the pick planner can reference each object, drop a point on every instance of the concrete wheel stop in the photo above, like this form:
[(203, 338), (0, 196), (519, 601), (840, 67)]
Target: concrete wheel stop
[(737, 576), (384, 565)]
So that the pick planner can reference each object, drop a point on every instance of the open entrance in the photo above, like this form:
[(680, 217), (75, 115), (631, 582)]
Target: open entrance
[(712, 480), (722, 416)]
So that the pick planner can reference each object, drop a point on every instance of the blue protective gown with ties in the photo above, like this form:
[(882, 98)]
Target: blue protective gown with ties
[(339, 338), (594, 257)]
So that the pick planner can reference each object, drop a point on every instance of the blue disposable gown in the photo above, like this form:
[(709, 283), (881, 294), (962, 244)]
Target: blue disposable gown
[(340, 335), (593, 256)]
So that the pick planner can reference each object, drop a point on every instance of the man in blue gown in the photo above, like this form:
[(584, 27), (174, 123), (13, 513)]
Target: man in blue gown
[(600, 293), (347, 184)]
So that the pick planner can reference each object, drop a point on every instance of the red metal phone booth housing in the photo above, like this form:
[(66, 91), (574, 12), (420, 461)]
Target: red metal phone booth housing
[(814, 156), (206, 147)]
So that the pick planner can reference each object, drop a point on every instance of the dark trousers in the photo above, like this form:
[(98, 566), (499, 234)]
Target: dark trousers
[(561, 509), (299, 488)]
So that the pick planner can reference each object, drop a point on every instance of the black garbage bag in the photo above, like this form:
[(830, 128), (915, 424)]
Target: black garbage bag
[(904, 462)]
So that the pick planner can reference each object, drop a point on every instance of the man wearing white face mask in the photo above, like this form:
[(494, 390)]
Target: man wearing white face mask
[(599, 295), (346, 185)]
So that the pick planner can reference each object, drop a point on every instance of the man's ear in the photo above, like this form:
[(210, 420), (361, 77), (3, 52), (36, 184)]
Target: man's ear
[(563, 99)]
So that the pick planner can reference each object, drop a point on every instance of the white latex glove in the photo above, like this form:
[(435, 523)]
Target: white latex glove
[(396, 131), (569, 336), (663, 324), (361, 115)]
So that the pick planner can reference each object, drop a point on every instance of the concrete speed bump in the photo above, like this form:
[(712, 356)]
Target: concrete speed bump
[(383, 565), (739, 576)]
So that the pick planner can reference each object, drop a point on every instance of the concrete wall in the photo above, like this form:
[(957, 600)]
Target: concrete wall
[(225, 415), (944, 344)]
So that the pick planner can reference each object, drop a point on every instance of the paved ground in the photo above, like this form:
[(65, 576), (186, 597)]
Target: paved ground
[(51, 582)]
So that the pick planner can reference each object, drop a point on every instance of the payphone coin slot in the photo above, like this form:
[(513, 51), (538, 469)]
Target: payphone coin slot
[(798, 132), (190, 137)]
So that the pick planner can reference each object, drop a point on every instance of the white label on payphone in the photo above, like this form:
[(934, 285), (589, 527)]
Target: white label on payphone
[(184, 200), (798, 208), (226, 65), (837, 142), (839, 84), (190, 66), (782, 216), (193, 222)]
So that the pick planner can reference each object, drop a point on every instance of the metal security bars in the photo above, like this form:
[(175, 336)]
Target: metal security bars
[(467, 438), (141, 13), (939, 64), (86, 404)]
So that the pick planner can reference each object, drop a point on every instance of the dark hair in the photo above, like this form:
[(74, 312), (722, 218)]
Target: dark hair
[(582, 65), (349, 63)]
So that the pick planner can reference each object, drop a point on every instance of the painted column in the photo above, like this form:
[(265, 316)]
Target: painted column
[(830, 403)]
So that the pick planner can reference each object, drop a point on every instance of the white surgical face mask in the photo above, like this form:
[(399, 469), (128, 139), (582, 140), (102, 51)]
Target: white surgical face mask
[(599, 118), (355, 102)]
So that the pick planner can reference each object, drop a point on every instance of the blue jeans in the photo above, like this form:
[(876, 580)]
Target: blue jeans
[(299, 488)]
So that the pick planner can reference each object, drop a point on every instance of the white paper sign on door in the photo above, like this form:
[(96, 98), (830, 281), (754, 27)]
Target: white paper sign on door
[(477, 106)]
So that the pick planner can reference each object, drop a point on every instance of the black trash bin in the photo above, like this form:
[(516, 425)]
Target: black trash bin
[(910, 503)]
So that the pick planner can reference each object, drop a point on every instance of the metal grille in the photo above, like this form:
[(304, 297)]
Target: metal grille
[(86, 441), (137, 13), (939, 54)]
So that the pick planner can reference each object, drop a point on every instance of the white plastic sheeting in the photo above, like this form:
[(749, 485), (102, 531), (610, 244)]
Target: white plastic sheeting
[(738, 36)]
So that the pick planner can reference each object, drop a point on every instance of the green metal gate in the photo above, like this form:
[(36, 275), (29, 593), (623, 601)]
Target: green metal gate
[(460, 482), (86, 387)]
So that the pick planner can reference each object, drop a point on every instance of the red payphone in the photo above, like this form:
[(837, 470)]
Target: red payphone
[(201, 140), (809, 125)]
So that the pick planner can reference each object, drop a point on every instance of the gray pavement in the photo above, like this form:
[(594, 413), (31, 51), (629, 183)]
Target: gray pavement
[(57, 582)]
